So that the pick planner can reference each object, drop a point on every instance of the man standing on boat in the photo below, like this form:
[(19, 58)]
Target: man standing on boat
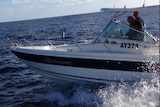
[(134, 23), (134, 35), (139, 19)]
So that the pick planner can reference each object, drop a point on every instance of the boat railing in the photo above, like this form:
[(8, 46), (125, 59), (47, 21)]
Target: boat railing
[(52, 45), (14, 43), (24, 42)]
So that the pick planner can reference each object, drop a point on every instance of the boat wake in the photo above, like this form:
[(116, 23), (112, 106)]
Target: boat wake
[(141, 94)]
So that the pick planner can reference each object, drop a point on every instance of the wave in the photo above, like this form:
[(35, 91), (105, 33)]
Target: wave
[(141, 94)]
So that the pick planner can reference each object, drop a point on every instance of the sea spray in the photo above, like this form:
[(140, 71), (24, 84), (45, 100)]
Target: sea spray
[(141, 94)]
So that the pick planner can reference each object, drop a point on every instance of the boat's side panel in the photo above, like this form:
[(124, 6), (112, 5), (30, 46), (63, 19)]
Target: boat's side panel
[(72, 66), (105, 64), (85, 74)]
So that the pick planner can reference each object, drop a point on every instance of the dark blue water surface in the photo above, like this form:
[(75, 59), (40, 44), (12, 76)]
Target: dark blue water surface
[(22, 87)]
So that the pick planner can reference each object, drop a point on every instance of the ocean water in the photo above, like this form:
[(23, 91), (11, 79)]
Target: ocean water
[(22, 87)]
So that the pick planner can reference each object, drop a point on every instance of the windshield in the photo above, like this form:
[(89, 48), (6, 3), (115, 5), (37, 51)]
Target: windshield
[(123, 31)]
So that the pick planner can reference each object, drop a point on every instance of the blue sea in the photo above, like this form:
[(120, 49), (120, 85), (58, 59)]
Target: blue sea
[(22, 87)]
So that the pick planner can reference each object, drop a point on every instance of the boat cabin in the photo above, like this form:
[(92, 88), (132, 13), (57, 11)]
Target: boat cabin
[(120, 37)]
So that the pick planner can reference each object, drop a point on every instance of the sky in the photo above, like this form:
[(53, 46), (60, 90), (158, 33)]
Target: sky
[(16, 10)]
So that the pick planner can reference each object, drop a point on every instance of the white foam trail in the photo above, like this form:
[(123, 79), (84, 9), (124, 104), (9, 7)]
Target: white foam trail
[(142, 94)]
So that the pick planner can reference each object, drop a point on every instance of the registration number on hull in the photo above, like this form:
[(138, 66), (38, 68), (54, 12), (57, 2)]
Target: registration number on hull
[(129, 45)]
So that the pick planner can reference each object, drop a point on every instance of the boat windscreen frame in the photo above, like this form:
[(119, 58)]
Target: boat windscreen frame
[(111, 26)]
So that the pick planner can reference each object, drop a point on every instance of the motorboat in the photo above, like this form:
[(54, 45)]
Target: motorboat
[(112, 56)]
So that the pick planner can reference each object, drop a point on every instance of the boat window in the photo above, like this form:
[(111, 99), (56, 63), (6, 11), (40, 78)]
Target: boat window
[(119, 32), (108, 29)]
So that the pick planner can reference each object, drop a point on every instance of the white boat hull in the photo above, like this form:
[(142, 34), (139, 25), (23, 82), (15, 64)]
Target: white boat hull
[(121, 53), (85, 74)]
